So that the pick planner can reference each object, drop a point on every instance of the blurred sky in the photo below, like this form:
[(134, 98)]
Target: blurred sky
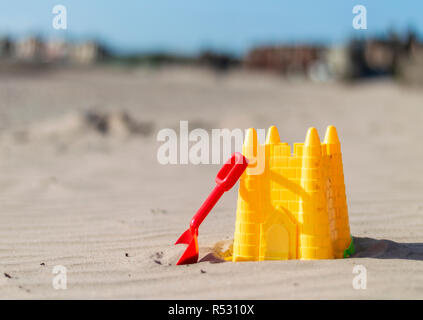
[(188, 26)]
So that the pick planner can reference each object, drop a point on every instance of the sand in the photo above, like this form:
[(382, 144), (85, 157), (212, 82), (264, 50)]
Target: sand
[(102, 206)]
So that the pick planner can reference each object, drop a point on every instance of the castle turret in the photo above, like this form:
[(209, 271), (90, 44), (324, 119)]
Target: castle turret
[(337, 201), (273, 136), (315, 240), (250, 211)]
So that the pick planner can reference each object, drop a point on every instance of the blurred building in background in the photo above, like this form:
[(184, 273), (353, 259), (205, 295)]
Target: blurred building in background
[(56, 51), (35, 50), (87, 53), (397, 57), (287, 60), (394, 56), (29, 50)]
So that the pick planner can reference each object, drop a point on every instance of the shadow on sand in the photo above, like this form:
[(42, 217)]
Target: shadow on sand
[(387, 249), (364, 248)]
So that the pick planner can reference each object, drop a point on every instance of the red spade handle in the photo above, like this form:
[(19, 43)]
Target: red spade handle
[(226, 178)]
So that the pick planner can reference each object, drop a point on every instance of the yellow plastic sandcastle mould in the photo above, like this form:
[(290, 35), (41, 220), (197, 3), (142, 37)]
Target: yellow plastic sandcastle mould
[(295, 207)]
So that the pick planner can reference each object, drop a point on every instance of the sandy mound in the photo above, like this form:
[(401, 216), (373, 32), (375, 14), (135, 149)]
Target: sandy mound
[(75, 125)]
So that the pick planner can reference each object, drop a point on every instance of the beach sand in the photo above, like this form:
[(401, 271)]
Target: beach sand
[(101, 205)]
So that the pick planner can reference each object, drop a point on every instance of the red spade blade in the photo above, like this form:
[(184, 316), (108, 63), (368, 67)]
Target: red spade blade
[(190, 254), (185, 238)]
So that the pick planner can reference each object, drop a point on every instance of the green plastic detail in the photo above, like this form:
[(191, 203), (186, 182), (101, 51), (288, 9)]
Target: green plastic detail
[(350, 250)]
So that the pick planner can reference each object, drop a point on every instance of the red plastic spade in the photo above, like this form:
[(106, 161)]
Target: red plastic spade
[(227, 176)]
